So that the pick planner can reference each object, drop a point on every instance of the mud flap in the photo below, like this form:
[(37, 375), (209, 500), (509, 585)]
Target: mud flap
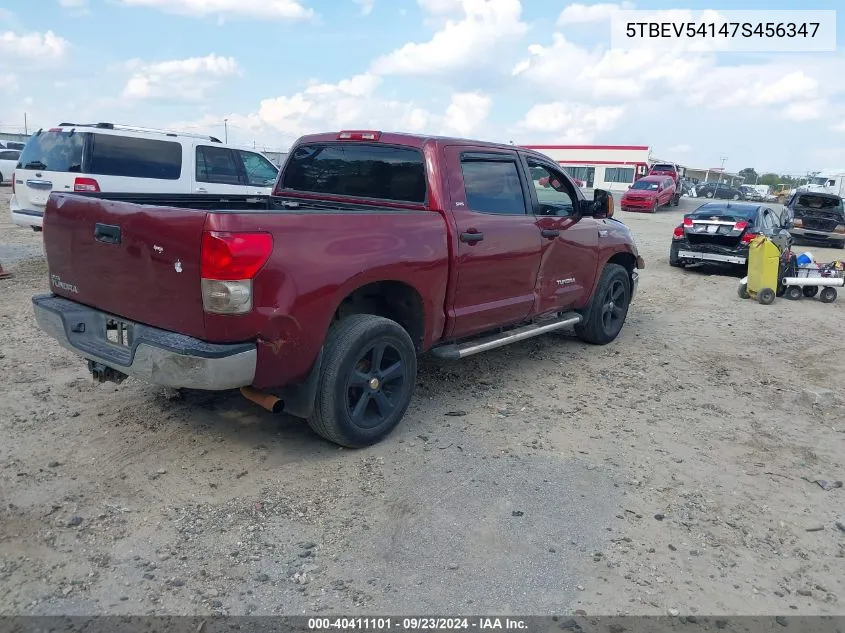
[(299, 399)]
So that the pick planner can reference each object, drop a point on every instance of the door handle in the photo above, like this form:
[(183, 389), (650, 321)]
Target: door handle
[(107, 233), (472, 238), (550, 233), (201, 190)]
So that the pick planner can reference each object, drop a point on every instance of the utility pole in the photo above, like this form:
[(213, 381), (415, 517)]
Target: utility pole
[(25, 128), (226, 131)]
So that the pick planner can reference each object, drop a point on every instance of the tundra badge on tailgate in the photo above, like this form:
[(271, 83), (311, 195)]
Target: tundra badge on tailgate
[(63, 285)]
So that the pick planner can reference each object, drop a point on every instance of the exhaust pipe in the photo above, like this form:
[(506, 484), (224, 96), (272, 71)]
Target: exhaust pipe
[(263, 399)]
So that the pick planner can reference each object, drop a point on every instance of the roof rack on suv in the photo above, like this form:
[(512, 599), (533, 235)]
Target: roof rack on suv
[(135, 128)]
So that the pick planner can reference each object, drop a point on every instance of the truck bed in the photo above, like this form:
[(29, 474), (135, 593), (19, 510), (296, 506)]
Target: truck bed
[(139, 258)]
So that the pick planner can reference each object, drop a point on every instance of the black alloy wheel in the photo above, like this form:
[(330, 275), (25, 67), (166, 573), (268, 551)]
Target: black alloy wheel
[(375, 384)]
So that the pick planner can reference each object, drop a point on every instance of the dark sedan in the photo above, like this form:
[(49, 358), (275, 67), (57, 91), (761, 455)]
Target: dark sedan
[(719, 191), (719, 232)]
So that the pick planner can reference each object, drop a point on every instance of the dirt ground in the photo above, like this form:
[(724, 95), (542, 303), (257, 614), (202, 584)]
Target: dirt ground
[(671, 471)]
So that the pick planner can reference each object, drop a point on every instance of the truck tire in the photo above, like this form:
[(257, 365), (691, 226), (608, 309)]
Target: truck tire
[(366, 380), (604, 317)]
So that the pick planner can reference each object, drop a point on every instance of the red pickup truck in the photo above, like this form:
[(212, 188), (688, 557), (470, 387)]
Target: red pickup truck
[(373, 248)]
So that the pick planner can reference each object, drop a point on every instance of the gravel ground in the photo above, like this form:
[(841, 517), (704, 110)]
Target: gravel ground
[(672, 470)]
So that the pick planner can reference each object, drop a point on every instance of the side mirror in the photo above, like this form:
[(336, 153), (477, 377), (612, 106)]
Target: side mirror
[(602, 204)]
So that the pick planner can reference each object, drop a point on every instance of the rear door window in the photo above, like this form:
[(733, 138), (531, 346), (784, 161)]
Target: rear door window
[(217, 165), (493, 186), (54, 151), (359, 170), (260, 172), (113, 155), (9, 155)]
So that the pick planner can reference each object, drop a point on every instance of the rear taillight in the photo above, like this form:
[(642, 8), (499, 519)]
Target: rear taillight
[(228, 263), (86, 184), (741, 225), (747, 237), (678, 233), (798, 223), (688, 222)]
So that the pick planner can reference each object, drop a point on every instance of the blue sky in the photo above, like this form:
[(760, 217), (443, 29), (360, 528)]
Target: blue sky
[(535, 71)]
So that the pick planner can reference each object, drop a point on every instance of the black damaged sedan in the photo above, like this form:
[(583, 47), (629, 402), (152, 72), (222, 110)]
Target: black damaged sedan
[(720, 232)]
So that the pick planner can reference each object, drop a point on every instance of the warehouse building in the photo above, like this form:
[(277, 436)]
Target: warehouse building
[(615, 167), (610, 167)]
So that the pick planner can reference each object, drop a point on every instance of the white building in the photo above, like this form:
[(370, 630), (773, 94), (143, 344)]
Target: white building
[(610, 167)]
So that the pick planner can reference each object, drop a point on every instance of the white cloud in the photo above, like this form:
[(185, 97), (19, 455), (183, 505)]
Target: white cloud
[(683, 148), (466, 111), (805, 110), (461, 44), (37, 47), (8, 82), (349, 104), (289, 10), (180, 80), (366, 6), (839, 127), (74, 4), (582, 13), (564, 122)]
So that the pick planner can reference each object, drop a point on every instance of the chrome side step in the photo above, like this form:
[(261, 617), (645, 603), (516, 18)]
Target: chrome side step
[(459, 351)]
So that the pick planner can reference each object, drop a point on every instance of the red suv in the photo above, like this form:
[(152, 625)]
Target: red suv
[(649, 193)]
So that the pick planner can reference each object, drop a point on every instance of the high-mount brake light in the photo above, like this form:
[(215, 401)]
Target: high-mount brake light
[(359, 135), (86, 184), (228, 263), (55, 129)]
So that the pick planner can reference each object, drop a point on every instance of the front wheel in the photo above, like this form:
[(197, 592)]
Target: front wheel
[(366, 381), (766, 296), (603, 319), (708, 194), (735, 197), (676, 200)]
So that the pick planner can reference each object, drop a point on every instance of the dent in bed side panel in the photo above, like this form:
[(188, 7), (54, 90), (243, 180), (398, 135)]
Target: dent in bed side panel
[(317, 260)]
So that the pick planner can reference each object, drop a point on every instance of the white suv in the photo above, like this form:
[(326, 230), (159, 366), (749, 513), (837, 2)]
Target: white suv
[(121, 159)]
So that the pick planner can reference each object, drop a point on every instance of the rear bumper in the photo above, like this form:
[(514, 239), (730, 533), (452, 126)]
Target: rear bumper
[(153, 355), (25, 217), (816, 236), (706, 253)]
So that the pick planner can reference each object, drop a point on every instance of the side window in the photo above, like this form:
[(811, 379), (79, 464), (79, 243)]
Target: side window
[(10, 155), (132, 157), (493, 186), (217, 165), (552, 192), (260, 172)]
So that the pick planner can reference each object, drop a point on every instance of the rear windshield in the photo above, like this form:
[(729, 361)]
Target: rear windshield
[(726, 215), (819, 202), (54, 151), (360, 170), (663, 168), (134, 157), (645, 184)]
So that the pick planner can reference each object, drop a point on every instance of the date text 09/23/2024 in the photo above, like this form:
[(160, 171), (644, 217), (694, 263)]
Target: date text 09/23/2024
[(416, 624)]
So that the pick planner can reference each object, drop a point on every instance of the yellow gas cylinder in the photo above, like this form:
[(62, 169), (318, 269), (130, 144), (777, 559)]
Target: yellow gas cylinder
[(763, 269)]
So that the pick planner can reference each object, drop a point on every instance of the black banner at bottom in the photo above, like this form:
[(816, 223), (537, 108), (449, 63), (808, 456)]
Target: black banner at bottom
[(418, 624)]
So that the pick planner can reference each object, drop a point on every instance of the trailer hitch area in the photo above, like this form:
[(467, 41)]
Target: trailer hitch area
[(103, 373)]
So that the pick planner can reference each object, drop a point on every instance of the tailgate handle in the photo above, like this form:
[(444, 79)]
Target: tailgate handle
[(107, 233)]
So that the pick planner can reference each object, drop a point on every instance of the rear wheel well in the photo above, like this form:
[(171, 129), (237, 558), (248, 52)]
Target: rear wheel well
[(393, 300)]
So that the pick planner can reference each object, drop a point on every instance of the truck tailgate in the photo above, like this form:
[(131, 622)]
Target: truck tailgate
[(138, 262)]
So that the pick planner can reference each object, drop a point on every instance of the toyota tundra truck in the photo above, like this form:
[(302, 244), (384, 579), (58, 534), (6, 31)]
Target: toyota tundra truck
[(316, 300)]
